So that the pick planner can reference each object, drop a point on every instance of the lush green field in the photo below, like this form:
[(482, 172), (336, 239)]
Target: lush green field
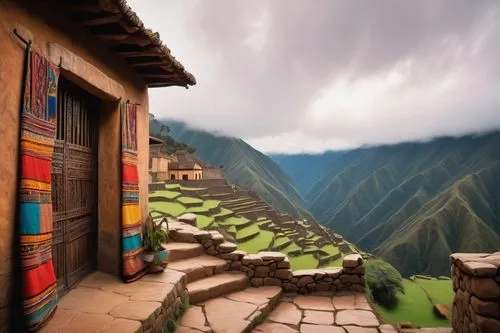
[(303, 261), (415, 305), (247, 231), (259, 243)]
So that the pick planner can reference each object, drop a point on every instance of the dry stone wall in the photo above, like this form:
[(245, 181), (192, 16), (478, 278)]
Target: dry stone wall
[(476, 283), (271, 268)]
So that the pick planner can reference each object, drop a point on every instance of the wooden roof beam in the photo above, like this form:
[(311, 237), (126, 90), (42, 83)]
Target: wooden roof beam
[(103, 20), (154, 51)]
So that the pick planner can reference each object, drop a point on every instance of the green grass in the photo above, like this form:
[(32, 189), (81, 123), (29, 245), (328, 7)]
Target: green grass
[(189, 200), (172, 186), (223, 211), (259, 243), (439, 291), (203, 221), (290, 248), (330, 249), (169, 208), (164, 194), (304, 261), (205, 207), (261, 219), (281, 240), (235, 220), (232, 229), (156, 214), (245, 232), (311, 249), (414, 306)]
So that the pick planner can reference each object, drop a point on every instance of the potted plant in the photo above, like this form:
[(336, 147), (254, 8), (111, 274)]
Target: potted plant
[(155, 255)]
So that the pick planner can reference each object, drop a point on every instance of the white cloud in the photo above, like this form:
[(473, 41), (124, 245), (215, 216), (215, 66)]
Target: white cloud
[(294, 77)]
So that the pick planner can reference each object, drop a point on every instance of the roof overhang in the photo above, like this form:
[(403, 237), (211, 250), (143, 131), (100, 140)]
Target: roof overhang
[(114, 22), (155, 141)]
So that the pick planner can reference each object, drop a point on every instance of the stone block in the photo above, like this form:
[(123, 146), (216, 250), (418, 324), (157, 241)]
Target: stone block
[(257, 282), (283, 264), (274, 256), (352, 261), (188, 218), (480, 269), (283, 274), (485, 288), (261, 271), (290, 287), (304, 281), (252, 259), (269, 281), (485, 308)]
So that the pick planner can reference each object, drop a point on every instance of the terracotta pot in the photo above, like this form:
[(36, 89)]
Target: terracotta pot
[(156, 261)]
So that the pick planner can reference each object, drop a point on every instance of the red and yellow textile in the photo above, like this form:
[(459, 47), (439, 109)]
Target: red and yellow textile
[(34, 197), (132, 249)]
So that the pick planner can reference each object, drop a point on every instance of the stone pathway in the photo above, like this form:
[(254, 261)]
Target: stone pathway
[(233, 313), (103, 303), (342, 313)]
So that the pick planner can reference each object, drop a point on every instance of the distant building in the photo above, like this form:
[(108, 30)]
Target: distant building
[(158, 161), (185, 166)]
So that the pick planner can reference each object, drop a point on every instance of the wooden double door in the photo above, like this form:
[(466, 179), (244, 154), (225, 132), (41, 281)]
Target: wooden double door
[(74, 187)]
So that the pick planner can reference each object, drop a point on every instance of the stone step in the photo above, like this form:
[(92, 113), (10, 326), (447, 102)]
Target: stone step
[(199, 267), (178, 251), (215, 286), (246, 308)]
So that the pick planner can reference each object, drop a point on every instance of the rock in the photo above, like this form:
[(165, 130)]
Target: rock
[(188, 218), (286, 313), (318, 317), (211, 251), (350, 279), (333, 272), (283, 274), (283, 264), (442, 311), (235, 265), (406, 324), (482, 269), (184, 236), (352, 261), (488, 309), (227, 247), (268, 281), (485, 288), (310, 328), (252, 259), (323, 286), (201, 235), (257, 282), (274, 256), (314, 303), (261, 271), (290, 287), (487, 325), (356, 329), (305, 280), (275, 327), (235, 255)]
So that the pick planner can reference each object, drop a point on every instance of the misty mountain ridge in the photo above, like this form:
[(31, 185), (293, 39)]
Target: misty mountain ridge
[(411, 203)]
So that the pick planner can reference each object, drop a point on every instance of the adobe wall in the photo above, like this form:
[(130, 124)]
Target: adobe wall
[(476, 283), (44, 22)]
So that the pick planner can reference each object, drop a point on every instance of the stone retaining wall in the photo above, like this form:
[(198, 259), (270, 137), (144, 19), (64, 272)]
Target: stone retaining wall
[(271, 268), (476, 283)]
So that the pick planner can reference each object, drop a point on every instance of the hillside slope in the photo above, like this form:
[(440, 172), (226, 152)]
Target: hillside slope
[(242, 165), (412, 204)]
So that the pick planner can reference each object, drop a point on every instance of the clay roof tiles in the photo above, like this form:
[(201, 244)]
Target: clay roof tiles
[(120, 27)]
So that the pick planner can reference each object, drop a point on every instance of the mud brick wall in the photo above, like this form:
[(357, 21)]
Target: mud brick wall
[(273, 269), (476, 283)]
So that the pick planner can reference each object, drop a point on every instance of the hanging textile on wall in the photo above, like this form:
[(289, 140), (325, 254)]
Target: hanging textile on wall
[(38, 125), (132, 249)]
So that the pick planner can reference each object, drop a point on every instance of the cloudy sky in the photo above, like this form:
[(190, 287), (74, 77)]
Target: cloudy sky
[(308, 76)]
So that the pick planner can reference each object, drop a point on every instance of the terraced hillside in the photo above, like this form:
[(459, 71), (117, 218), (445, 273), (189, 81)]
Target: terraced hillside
[(242, 165), (250, 223)]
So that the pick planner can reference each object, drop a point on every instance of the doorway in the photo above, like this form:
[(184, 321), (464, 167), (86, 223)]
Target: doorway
[(74, 190)]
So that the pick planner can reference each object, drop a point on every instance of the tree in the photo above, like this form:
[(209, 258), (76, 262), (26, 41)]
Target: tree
[(383, 282)]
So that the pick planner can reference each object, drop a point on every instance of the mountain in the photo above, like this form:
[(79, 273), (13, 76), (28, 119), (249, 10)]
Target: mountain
[(242, 165), (412, 204)]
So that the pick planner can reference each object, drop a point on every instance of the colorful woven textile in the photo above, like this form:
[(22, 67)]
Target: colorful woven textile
[(34, 197), (132, 249)]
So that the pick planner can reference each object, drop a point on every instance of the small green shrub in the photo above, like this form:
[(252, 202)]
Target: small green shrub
[(383, 282)]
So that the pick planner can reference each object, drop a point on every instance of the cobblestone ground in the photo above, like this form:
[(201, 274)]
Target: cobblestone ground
[(347, 313)]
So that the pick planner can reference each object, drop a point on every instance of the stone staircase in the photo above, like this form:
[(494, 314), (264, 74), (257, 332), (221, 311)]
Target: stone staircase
[(207, 276)]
